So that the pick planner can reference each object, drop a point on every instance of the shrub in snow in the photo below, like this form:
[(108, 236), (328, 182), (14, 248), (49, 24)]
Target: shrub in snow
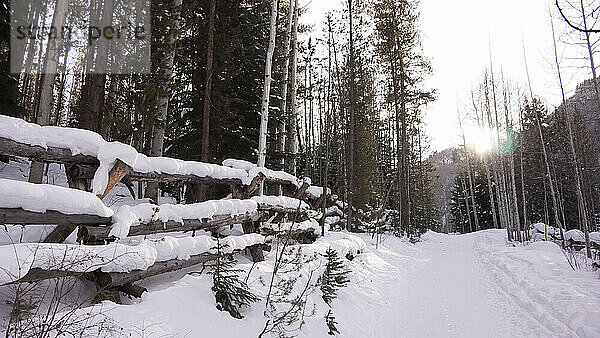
[(334, 277), (231, 293)]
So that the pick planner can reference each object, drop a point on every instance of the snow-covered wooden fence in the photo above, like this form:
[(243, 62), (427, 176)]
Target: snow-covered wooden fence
[(96, 165)]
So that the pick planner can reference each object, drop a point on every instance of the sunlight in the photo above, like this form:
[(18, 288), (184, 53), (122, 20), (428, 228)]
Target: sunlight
[(479, 139)]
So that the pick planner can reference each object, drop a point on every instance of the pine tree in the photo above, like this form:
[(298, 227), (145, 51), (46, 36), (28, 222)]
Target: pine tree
[(231, 293), (334, 277)]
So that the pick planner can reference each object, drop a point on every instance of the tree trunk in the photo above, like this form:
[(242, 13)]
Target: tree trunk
[(471, 189), (92, 93), (204, 157), (284, 84), (349, 226), (163, 94), (206, 108), (264, 111), (590, 54), (580, 201), (53, 49), (514, 203), (292, 144)]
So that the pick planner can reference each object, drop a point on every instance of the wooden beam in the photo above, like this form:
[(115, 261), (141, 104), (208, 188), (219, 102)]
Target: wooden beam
[(299, 194), (115, 279), (162, 177), (64, 155), (51, 154), (60, 233), (37, 274), (99, 234), (254, 185), (118, 171), (25, 217), (255, 250)]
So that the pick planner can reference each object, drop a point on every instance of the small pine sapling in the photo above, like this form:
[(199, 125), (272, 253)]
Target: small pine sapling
[(231, 293), (334, 277), (331, 324)]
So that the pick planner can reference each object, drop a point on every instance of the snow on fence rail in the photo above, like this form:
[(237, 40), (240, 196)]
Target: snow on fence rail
[(70, 145), (144, 219), (90, 157), (27, 203), (58, 260)]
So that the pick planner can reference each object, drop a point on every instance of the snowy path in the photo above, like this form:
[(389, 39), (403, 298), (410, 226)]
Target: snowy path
[(445, 286), (461, 287)]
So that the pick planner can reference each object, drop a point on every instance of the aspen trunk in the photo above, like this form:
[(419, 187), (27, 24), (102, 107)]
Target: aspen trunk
[(350, 201), (580, 201), (285, 83), (590, 54), (53, 49), (292, 144), (163, 95), (264, 111)]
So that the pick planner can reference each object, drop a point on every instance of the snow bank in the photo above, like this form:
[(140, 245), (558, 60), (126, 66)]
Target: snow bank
[(575, 235), (315, 192), (18, 259), (42, 197), (280, 201), (545, 246), (539, 280), (127, 216), (343, 243)]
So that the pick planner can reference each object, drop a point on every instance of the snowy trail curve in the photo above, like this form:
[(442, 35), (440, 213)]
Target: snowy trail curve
[(463, 287)]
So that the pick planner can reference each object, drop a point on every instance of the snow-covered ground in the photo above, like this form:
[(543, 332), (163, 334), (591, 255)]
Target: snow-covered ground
[(471, 285)]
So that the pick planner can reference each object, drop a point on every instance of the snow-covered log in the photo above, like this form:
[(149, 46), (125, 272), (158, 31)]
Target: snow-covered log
[(40, 198), (25, 262), (96, 234), (273, 176), (70, 145), (26, 217), (46, 154), (280, 203)]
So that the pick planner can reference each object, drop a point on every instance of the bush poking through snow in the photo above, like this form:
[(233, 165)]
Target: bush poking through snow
[(231, 293), (334, 277)]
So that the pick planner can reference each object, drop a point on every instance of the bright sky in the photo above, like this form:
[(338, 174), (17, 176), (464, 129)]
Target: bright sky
[(456, 38)]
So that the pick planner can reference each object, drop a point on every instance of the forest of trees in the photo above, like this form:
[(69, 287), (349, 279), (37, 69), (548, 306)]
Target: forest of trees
[(246, 79), (543, 163), (342, 105)]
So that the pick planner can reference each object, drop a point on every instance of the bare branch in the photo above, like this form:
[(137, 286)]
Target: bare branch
[(572, 25)]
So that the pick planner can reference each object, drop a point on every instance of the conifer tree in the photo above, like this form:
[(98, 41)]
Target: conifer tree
[(231, 293), (334, 277)]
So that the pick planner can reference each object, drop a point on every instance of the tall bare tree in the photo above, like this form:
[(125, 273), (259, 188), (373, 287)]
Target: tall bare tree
[(163, 93), (292, 135), (285, 83), (53, 52)]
